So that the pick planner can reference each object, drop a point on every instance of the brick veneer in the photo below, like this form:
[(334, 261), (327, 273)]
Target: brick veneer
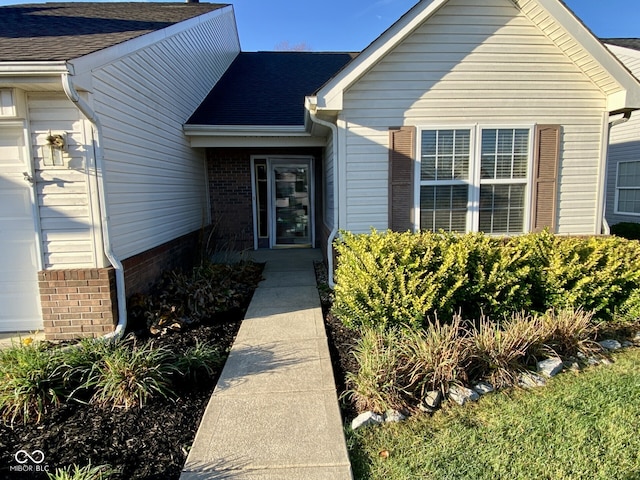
[(83, 302), (78, 303)]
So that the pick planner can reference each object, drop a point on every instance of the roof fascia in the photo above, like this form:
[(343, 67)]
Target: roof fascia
[(630, 97), (114, 52), (330, 95), (245, 130)]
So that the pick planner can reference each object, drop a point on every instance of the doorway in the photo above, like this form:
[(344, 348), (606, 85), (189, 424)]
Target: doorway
[(283, 202)]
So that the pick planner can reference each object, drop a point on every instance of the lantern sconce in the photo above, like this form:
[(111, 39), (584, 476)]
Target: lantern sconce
[(53, 151)]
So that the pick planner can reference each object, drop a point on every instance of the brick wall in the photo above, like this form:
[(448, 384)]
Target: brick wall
[(78, 303), (230, 192), (83, 302)]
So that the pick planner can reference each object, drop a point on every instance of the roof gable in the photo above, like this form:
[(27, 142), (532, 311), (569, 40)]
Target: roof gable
[(63, 31), (632, 43), (552, 17), (267, 88)]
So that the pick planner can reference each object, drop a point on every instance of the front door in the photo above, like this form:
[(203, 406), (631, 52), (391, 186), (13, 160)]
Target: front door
[(283, 202)]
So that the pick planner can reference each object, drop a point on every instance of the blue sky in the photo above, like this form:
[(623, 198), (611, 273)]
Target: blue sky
[(350, 25)]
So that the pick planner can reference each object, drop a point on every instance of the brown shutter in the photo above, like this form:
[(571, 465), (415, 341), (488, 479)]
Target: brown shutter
[(401, 168), (545, 177)]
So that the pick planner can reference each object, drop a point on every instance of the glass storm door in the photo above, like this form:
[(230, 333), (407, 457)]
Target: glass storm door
[(292, 203)]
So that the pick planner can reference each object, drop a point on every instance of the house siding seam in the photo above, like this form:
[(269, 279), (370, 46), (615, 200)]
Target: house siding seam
[(78, 302), (487, 65), (154, 185)]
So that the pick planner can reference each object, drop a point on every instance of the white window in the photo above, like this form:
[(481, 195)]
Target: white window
[(628, 188), (474, 186)]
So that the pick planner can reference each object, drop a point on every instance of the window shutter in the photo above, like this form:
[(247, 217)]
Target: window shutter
[(401, 172), (545, 177)]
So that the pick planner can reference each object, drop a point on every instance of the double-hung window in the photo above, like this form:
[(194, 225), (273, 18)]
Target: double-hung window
[(474, 185), (628, 188)]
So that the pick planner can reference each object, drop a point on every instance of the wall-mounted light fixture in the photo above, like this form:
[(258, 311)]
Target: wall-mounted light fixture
[(53, 150)]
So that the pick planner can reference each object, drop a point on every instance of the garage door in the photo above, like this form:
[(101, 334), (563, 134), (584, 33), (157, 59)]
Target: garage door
[(19, 296)]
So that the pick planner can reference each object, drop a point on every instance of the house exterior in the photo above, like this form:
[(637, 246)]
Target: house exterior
[(99, 186), (623, 171), (488, 116)]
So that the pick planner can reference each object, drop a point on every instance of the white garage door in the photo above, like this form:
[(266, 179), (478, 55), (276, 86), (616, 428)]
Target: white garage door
[(19, 295)]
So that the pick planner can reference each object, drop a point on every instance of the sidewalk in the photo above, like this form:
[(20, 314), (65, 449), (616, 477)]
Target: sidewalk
[(274, 413)]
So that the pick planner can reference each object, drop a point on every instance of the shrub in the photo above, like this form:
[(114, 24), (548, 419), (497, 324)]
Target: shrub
[(628, 230), (128, 375), (31, 381), (385, 280)]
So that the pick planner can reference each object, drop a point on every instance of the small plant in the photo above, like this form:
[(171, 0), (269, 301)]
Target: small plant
[(199, 359), (375, 386), (75, 472), (433, 358), (31, 381), (569, 332), (128, 375), (499, 352)]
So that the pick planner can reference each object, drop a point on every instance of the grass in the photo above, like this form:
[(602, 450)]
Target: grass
[(582, 425)]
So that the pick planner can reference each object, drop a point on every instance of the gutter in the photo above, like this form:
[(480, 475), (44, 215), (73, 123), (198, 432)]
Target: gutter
[(312, 109), (72, 94), (604, 226)]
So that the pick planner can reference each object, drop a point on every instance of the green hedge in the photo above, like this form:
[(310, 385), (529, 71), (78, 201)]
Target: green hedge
[(389, 279)]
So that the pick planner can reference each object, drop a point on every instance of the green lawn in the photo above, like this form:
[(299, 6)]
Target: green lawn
[(581, 426)]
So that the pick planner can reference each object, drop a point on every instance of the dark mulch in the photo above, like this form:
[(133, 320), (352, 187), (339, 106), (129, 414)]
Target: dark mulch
[(148, 443), (153, 442)]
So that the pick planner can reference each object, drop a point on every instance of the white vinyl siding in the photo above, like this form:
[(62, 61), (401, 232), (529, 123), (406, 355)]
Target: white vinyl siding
[(156, 185), (63, 192), (624, 143), (328, 184), (473, 64)]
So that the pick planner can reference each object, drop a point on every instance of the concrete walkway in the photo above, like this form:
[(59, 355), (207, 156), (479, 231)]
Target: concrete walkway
[(274, 413)]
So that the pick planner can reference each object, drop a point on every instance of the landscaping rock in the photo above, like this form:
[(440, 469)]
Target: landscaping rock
[(610, 344), (431, 402), (636, 338), (394, 416), (550, 367), (462, 395), (482, 388), (571, 364), (606, 361), (627, 344), (531, 380), (365, 419)]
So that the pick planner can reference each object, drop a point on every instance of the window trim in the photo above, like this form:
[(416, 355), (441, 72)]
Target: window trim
[(474, 182), (616, 209)]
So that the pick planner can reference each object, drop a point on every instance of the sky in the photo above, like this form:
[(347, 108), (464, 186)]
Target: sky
[(350, 25)]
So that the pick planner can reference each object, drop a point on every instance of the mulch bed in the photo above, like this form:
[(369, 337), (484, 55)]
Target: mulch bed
[(152, 442), (148, 443)]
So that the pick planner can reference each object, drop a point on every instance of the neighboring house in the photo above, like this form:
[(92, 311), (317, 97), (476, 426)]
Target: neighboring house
[(485, 116), (623, 172), (469, 116), (95, 171)]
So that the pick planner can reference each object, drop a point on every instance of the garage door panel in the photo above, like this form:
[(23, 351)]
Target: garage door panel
[(19, 294)]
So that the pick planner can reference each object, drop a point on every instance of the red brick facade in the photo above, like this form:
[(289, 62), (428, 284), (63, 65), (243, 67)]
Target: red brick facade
[(230, 192), (78, 303), (83, 302)]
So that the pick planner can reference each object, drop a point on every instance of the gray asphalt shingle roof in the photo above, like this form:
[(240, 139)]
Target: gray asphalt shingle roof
[(268, 88), (633, 43), (62, 31)]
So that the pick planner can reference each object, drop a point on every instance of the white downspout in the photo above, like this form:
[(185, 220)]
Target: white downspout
[(605, 155), (334, 232), (86, 110)]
